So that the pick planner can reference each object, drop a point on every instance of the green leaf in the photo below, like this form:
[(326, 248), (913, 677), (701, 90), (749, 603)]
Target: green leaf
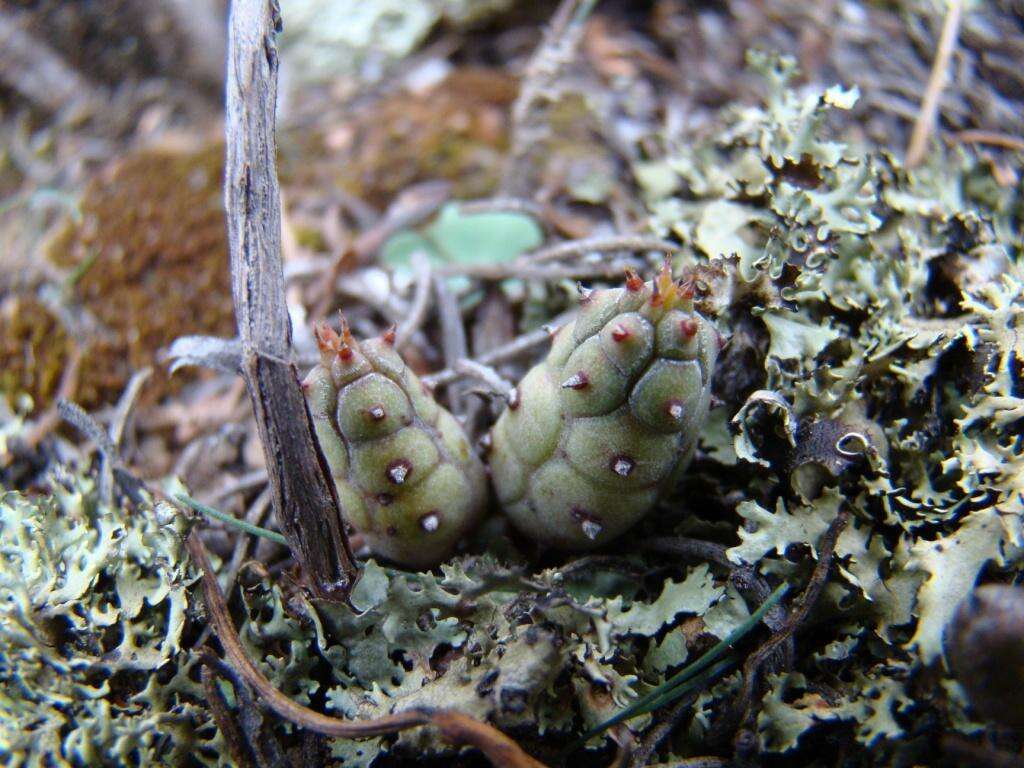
[(398, 250), (482, 238)]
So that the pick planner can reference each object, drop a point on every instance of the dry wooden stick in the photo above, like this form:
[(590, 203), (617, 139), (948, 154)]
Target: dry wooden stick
[(455, 727), (304, 498)]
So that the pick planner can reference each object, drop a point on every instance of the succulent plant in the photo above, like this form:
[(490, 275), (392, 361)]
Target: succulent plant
[(406, 476), (594, 434)]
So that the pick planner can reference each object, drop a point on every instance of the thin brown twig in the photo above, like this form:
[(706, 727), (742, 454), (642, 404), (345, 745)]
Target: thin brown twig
[(512, 350), (420, 302), (455, 727), (218, 706), (653, 739), (991, 138), (751, 667), (926, 116), (601, 244), (527, 271)]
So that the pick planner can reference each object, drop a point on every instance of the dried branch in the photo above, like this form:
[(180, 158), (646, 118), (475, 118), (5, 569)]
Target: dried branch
[(238, 749), (420, 301), (126, 405), (925, 123), (552, 272), (660, 732), (455, 727), (39, 73), (493, 380), (991, 138), (796, 618), (76, 416), (603, 244), (304, 498), (454, 345), (501, 354), (557, 48)]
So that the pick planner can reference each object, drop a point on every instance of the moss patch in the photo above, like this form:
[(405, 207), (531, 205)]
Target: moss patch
[(152, 253)]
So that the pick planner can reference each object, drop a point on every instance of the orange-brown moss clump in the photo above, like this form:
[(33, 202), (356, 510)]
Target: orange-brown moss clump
[(456, 130), (34, 349), (152, 253)]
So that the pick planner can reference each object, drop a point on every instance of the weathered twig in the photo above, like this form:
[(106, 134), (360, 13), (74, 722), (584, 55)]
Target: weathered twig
[(77, 417), (304, 497), (925, 123), (553, 272), (557, 48), (38, 72), (653, 739), (251, 721), (420, 301), (493, 380), (455, 727), (126, 405), (454, 345), (238, 749), (991, 138), (578, 248), (509, 351), (796, 618)]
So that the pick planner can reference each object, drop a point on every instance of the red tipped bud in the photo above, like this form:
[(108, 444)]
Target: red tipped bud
[(688, 327), (633, 281), (620, 332), (389, 336)]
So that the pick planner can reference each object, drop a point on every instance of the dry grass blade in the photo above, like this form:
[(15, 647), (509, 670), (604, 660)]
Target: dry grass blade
[(929, 111), (455, 727)]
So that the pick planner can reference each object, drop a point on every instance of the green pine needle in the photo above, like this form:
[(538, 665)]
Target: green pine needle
[(224, 517), (689, 677)]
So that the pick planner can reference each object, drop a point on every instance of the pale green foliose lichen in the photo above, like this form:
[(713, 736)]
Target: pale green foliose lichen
[(876, 317), (93, 604)]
